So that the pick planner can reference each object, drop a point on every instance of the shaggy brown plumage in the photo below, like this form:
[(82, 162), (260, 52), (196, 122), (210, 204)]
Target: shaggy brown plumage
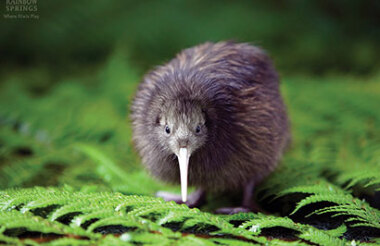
[(230, 93)]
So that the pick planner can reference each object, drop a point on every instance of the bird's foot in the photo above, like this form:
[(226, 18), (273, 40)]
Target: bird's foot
[(195, 199), (232, 210), (248, 204)]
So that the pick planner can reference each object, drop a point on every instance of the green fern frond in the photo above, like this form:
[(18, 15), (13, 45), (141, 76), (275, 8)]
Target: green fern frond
[(146, 238), (321, 238), (318, 188), (367, 177), (124, 221), (337, 232), (322, 198), (241, 217), (360, 211), (256, 225), (16, 220), (232, 242)]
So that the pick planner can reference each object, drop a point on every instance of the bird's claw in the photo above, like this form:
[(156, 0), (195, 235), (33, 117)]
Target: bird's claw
[(195, 199)]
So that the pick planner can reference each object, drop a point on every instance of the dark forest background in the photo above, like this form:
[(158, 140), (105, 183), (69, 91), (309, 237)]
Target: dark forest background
[(316, 37)]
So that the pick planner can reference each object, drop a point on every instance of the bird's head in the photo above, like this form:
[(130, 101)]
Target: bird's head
[(181, 129)]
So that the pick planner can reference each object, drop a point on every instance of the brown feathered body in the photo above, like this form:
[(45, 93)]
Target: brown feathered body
[(237, 88)]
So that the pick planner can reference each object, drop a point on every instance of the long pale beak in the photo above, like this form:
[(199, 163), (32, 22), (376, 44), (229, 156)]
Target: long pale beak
[(183, 159)]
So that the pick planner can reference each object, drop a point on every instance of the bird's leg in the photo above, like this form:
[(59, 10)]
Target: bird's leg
[(247, 205), (248, 201), (195, 199)]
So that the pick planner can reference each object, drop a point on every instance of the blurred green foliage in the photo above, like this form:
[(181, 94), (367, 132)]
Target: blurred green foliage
[(302, 36)]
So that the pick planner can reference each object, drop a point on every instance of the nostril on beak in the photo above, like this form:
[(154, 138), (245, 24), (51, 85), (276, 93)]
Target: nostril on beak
[(183, 142)]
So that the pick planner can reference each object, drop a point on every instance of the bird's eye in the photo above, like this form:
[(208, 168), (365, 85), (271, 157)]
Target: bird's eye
[(167, 129), (198, 129)]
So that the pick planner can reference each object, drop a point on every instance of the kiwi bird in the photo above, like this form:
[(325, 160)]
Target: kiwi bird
[(212, 117)]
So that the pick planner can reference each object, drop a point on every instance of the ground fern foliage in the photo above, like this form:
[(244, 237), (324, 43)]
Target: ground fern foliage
[(69, 174)]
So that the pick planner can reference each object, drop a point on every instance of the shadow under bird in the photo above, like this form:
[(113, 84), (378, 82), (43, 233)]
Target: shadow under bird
[(213, 118)]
